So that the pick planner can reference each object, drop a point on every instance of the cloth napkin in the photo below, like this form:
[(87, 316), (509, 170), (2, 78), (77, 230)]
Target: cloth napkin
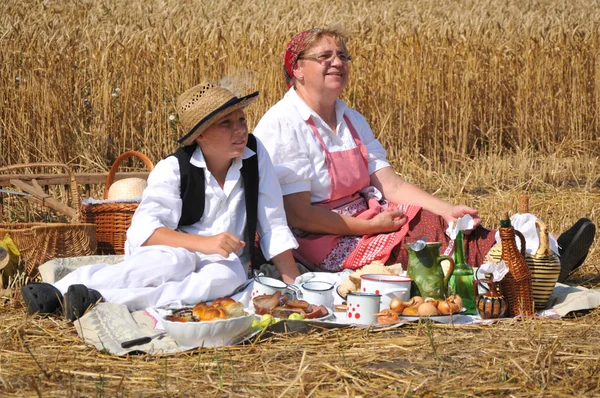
[(525, 223)]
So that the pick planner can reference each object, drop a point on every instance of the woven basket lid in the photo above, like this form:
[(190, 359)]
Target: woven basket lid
[(127, 188)]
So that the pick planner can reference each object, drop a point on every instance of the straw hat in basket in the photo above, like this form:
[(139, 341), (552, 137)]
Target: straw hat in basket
[(202, 105), (127, 188)]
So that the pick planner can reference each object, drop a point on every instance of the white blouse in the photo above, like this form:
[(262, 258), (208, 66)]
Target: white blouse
[(297, 156), (224, 209)]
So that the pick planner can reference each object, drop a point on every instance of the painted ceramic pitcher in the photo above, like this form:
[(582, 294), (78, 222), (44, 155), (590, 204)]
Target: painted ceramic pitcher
[(425, 269), (491, 304)]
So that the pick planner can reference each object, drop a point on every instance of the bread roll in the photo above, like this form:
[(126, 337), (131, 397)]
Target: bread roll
[(233, 309), (212, 313), (199, 310)]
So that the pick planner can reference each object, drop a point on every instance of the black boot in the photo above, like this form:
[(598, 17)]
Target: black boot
[(574, 245)]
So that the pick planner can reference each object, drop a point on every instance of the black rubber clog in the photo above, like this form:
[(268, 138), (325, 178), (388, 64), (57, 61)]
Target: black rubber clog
[(78, 300), (42, 298)]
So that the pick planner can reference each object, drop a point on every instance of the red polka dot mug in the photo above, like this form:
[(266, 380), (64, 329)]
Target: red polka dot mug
[(362, 308)]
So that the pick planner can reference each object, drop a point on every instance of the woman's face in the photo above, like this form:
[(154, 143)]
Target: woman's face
[(317, 75), (226, 138)]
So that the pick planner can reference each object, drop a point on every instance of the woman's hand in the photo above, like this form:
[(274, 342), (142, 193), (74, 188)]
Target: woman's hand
[(457, 211), (222, 244), (388, 221)]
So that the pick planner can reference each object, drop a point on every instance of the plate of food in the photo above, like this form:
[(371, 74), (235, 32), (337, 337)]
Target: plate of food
[(213, 324), (435, 318), (442, 311), (283, 307)]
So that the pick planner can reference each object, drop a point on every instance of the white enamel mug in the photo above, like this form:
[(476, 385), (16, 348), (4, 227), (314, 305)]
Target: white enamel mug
[(318, 292), (388, 286), (264, 286), (362, 308)]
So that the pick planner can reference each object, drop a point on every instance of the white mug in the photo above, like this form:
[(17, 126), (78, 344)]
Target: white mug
[(318, 292), (264, 286), (362, 308), (388, 286)]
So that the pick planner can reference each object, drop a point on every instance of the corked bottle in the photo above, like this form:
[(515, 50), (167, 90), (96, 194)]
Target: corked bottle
[(516, 285)]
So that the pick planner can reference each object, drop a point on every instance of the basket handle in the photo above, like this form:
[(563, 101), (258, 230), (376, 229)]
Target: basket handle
[(113, 170), (36, 191)]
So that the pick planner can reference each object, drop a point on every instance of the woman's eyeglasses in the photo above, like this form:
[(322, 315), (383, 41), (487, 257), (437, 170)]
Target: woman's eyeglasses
[(327, 57)]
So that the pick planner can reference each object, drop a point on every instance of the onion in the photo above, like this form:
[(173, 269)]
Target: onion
[(397, 305), (410, 311), (444, 308), (427, 309), (387, 317), (415, 301), (432, 301), (456, 299)]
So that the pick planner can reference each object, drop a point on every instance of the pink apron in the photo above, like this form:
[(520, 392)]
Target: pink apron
[(349, 174)]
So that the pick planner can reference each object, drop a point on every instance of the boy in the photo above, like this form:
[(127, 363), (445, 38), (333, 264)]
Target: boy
[(192, 236)]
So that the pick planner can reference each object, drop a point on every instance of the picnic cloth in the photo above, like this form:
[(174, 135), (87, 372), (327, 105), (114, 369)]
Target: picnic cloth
[(54, 270), (107, 325)]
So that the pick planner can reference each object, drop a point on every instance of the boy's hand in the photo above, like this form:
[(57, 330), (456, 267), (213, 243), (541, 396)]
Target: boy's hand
[(222, 244)]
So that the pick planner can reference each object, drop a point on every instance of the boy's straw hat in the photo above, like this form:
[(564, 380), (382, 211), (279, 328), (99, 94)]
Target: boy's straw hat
[(202, 105)]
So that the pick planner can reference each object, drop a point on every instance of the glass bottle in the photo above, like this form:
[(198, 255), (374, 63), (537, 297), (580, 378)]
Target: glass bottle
[(461, 281)]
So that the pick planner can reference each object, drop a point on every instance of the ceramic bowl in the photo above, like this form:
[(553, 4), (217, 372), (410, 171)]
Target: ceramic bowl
[(216, 333)]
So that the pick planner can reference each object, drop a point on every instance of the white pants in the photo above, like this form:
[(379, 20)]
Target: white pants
[(153, 276)]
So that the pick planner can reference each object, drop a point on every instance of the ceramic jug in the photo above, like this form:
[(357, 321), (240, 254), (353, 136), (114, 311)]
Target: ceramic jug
[(490, 305), (425, 269)]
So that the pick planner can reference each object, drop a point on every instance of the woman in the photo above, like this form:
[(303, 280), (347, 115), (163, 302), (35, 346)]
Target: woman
[(344, 202), (192, 236)]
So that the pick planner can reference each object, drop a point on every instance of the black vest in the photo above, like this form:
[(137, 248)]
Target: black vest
[(193, 191)]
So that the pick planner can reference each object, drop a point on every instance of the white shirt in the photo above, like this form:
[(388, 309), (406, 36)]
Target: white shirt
[(297, 156), (224, 208)]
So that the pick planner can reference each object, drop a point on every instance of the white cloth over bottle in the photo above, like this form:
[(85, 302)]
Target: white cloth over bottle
[(525, 224)]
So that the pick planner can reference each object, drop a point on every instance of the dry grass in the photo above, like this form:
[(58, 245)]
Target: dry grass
[(531, 358), (44, 356), (495, 97)]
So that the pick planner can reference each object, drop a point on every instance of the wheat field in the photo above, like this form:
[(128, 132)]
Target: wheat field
[(474, 100)]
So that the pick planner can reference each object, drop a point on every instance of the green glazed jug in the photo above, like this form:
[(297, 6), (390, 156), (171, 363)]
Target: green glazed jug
[(425, 269)]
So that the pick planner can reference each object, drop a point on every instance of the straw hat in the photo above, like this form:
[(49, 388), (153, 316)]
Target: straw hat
[(127, 188), (202, 105)]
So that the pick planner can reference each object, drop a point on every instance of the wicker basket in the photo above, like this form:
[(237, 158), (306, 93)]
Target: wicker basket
[(516, 285), (40, 242), (113, 219)]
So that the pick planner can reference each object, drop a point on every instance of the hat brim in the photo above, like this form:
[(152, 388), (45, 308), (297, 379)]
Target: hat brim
[(228, 107)]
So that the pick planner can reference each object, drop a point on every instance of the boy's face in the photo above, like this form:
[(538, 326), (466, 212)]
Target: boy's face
[(226, 138)]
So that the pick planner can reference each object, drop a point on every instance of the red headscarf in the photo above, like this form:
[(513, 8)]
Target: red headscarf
[(293, 49)]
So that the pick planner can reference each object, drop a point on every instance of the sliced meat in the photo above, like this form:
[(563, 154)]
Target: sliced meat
[(316, 311), (265, 304), (298, 304), (285, 312)]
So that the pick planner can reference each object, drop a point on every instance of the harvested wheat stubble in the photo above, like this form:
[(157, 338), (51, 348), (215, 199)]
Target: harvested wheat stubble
[(526, 358), (495, 97)]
